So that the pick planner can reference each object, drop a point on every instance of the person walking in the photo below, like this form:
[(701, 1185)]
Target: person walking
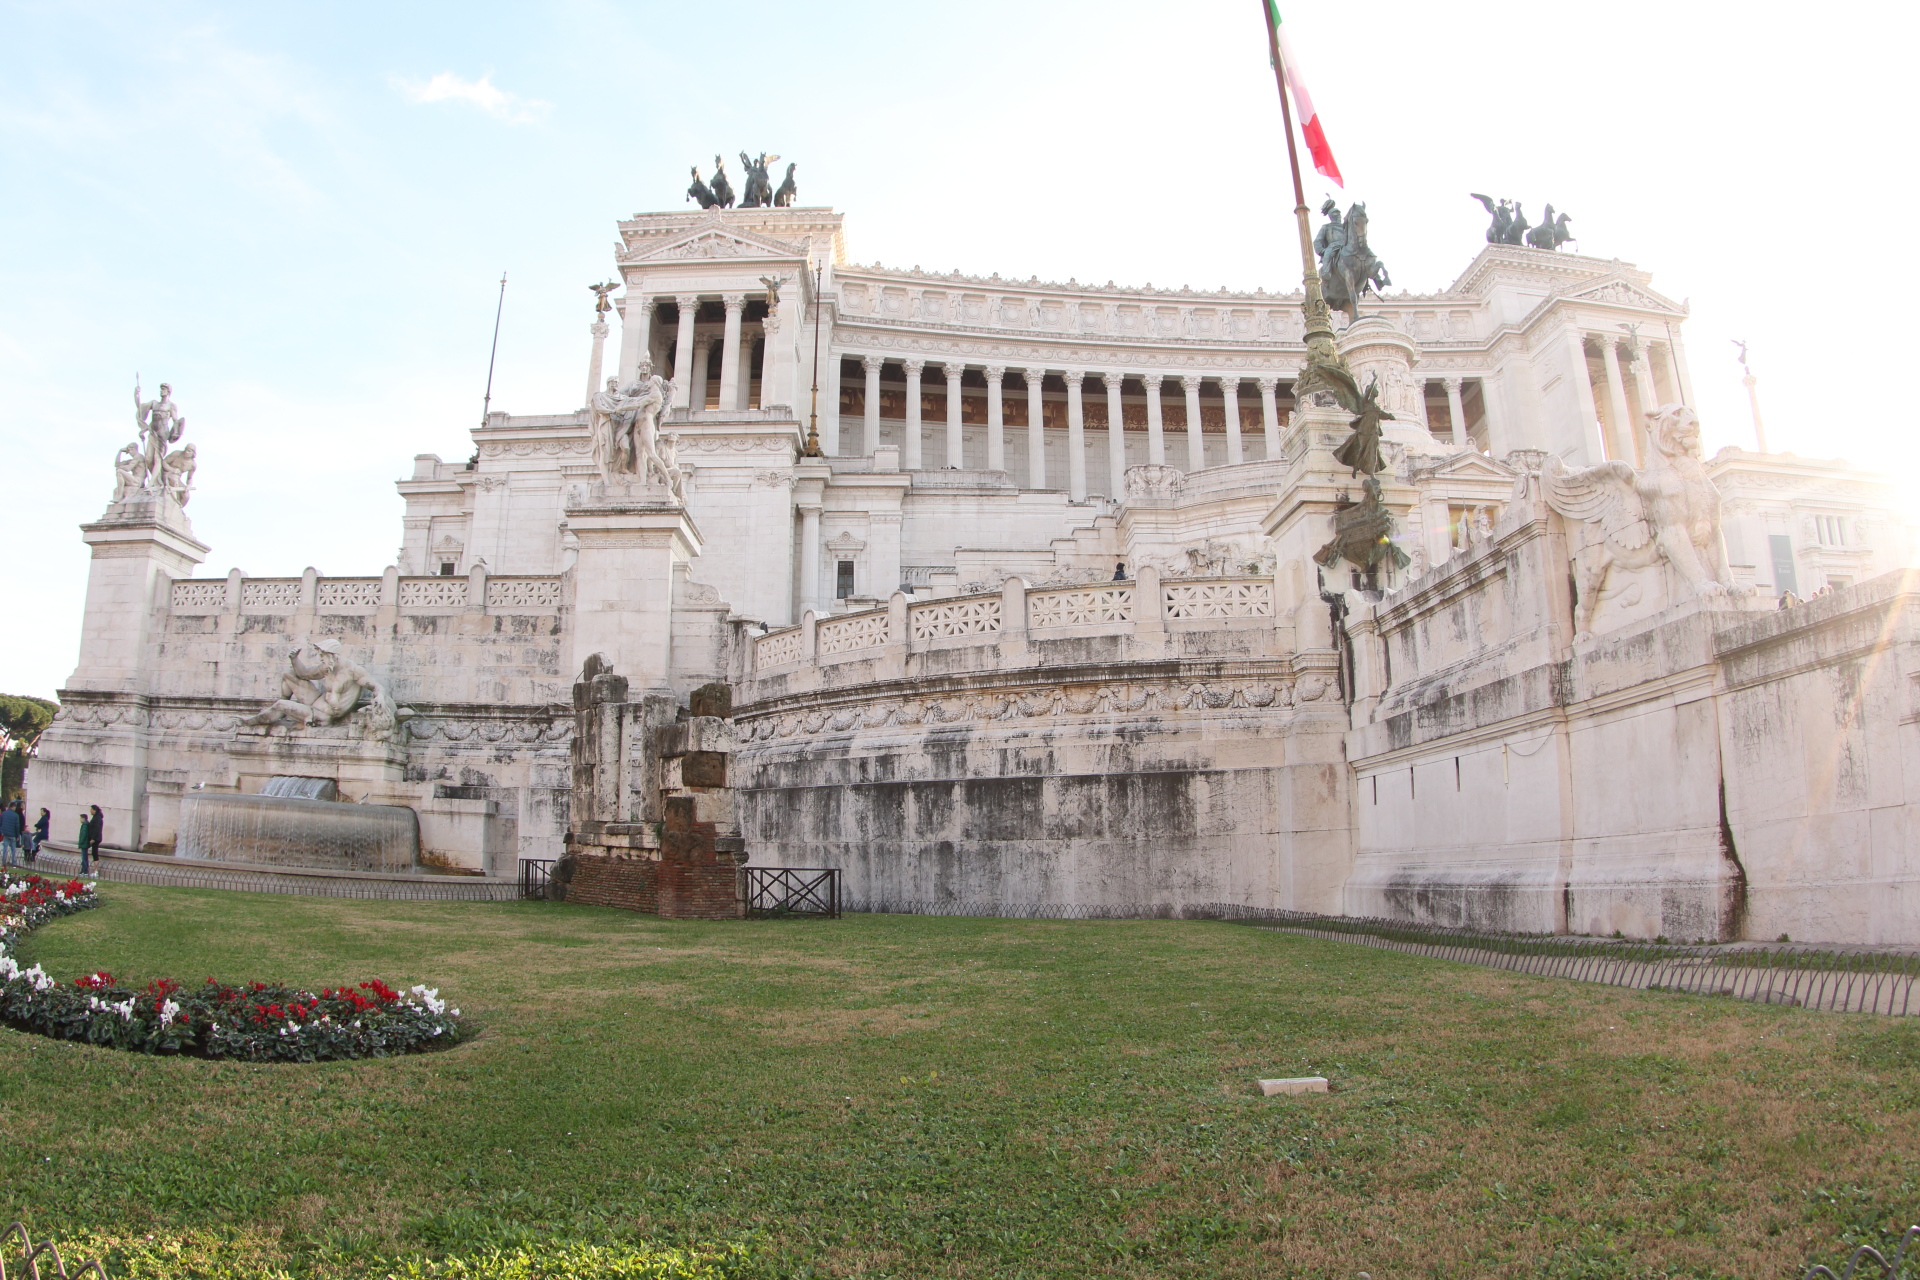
[(42, 832), (95, 825), (12, 824)]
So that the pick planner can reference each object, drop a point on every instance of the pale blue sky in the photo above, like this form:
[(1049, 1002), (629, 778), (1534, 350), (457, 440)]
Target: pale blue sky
[(262, 206)]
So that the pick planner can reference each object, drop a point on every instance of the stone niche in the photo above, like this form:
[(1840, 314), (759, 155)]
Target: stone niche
[(653, 826)]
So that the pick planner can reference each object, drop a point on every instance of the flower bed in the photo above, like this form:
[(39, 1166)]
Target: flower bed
[(256, 1022)]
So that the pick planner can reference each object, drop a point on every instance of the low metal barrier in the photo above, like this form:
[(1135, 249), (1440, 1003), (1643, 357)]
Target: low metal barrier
[(31, 1254), (1867, 1254), (146, 869), (791, 891), (535, 873)]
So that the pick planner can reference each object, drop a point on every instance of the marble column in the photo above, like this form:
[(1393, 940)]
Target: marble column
[(1270, 416), (996, 419), (1643, 378), (810, 558), (1156, 428), (1230, 396), (1587, 433), (1036, 428), (1196, 449), (1621, 436), (872, 365), (1457, 413), (636, 335), (910, 432), (956, 381), (730, 352), (597, 331), (1076, 437), (830, 403), (1116, 437), (689, 305), (1683, 381), (702, 370)]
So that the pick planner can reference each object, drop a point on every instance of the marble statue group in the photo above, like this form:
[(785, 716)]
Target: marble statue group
[(325, 689), (627, 441), (759, 193), (145, 466)]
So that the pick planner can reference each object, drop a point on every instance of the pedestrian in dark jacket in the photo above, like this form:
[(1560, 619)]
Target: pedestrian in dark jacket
[(95, 826), (12, 826), (42, 832)]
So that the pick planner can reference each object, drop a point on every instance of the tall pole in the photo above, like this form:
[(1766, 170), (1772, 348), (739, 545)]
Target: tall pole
[(1753, 396), (813, 409), (487, 404), (1325, 370)]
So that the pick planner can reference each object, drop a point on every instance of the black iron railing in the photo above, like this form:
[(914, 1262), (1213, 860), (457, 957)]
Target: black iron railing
[(1867, 1256), (534, 874), (41, 1261), (791, 891)]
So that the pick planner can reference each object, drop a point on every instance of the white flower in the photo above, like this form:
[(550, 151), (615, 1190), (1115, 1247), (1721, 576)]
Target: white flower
[(9, 967), (168, 1012), (430, 997), (38, 977)]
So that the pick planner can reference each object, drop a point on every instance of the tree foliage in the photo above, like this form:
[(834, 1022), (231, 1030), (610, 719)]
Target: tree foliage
[(24, 717)]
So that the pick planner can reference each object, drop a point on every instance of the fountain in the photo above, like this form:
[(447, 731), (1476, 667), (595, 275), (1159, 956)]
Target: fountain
[(296, 822)]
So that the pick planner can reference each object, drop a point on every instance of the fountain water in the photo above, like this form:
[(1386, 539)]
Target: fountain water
[(284, 827)]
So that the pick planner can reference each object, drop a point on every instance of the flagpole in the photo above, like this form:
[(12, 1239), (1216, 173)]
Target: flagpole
[(1319, 318)]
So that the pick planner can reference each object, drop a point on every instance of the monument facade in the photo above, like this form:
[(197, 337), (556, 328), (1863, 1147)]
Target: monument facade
[(1030, 592)]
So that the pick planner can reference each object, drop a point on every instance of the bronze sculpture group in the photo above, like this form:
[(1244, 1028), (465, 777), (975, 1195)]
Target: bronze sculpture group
[(760, 191), (1347, 265), (1510, 225)]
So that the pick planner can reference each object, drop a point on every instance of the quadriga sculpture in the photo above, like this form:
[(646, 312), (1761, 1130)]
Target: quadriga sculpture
[(1668, 510)]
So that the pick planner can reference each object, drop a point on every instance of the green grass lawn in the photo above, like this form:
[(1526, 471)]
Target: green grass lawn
[(911, 1096)]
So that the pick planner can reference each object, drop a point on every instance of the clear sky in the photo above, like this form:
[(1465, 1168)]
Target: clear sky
[(298, 215)]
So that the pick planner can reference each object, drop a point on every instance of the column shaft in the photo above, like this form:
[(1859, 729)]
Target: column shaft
[(1457, 413), (1076, 437), (996, 420), (1196, 449), (689, 305), (956, 378), (702, 370), (1116, 438), (1036, 429), (1230, 395), (871, 364), (598, 332), (730, 353), (910, 437), (636, 322), (1620, 436), (810, 559), (1587, 431), (1156, 427), (1270, 416)]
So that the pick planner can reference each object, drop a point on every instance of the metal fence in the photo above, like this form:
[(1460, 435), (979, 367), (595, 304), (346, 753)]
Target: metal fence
[(791, 891), (157, 871), (1869, 1256), (535, 875), (32, 1253)]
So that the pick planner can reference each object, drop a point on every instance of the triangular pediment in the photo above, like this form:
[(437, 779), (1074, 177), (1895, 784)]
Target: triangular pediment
[(1623, 293), (1470, 464), (714, 241)]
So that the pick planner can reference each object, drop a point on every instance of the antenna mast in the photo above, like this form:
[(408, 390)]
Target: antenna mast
[(487, 404)]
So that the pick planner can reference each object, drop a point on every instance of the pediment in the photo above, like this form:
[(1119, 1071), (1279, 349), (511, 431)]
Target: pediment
[(716, 242), (1470, 464), (1623, 293)]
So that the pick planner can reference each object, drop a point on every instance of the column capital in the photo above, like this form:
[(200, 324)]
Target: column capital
[(1033, 377), (1267, 383), (1113, 381), (1229, 381), (809, 508), (913, 367), (1152, 382), (994, 372), (1191, 382), (687, 301), (1453, 383), (734, 301), (705, 341), (1074, 377), (872, 364), (954, 369)]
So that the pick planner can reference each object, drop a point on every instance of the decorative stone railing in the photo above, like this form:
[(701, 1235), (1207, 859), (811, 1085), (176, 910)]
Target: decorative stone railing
[(311, 593), (1142, 608)]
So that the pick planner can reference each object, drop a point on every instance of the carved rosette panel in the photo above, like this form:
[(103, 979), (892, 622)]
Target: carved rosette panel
[(348, 593), (199, 597), (778, 649), (946, 618), (270, 596), (452, 729), (1087, 606), (849, 635), (433, 593), (1248, 599), (523, 593)]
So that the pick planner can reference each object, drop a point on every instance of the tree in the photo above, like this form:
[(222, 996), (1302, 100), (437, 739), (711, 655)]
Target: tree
[(23, 718)]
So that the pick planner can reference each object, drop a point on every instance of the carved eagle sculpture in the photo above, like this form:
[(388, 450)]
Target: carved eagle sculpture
[(1668, 510)]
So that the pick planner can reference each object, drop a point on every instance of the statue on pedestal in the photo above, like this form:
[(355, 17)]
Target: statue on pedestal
[(1551, 233), (161, 424), (700, 191), (625, 425), (788, 192), (600, 304), (759, 192), (1348, 267), (129, 470), (176, 473), (1361, 451)]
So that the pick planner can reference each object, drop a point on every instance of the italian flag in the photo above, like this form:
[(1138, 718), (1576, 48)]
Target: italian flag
[(1322, 154)]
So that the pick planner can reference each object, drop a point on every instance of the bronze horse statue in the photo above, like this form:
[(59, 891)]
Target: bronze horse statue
[(1551, 233), (1351, 269)]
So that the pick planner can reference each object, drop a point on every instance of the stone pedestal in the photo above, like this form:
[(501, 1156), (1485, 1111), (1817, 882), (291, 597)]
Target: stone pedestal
[(631, 537)]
